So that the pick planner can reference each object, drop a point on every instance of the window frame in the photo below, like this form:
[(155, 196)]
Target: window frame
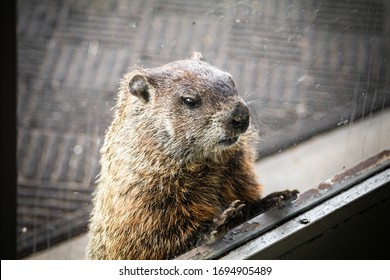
[(279, 231)]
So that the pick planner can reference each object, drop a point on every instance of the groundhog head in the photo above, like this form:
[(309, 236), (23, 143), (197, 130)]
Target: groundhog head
[(192, 109)]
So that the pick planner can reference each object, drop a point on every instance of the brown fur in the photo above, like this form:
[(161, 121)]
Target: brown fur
[(165, 175)]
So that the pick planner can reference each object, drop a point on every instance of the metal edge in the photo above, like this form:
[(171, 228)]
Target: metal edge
[(274, 217), (313, 223)]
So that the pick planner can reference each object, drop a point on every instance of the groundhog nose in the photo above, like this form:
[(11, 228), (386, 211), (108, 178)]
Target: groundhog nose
[(239, 119)]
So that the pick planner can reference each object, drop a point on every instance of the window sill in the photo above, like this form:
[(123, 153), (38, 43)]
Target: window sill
[(342, 218)]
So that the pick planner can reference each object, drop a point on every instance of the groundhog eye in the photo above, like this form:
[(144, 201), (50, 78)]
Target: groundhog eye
[(190, 102), (232, 82)]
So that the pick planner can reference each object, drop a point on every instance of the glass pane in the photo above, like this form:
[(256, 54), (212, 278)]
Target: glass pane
[(315, 75)]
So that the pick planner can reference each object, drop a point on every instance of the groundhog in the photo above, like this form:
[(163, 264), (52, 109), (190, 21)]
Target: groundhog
[(176, 164)]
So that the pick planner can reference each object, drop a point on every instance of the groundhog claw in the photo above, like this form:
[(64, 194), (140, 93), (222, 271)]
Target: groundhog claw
[(228, 218), (278, 199)]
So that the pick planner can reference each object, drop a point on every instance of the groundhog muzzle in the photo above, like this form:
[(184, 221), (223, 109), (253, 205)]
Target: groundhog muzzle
[(176, 164)]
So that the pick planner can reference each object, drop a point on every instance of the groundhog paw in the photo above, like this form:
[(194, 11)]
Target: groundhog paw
[(228, 218), (279, 199)]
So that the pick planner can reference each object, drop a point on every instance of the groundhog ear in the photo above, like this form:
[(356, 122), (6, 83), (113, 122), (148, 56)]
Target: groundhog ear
[(139, 87), (198, 56)]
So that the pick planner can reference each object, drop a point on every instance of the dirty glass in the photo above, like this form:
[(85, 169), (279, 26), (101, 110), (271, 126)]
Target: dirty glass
[(314, 73)]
